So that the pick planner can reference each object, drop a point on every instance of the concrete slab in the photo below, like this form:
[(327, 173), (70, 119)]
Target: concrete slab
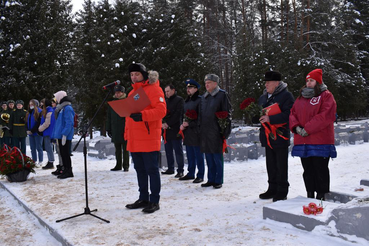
[(353, 220), (339, 197), (291, 211), (364, 182)]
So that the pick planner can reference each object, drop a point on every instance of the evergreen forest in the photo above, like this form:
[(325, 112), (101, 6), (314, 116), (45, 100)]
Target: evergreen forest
[(46, 47)]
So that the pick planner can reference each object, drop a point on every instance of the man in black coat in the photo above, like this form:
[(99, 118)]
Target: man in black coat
[(277, 153), (213, 134), (115, 127), (191, 131), (171, 123)]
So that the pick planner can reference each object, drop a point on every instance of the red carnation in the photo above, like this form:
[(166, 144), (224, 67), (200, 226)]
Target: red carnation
[(191, 114), (246, 103), (221, 114)]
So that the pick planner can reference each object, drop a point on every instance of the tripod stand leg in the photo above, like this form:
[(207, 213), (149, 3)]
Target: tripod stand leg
[(70, 217), (107, 221), (87, 211)]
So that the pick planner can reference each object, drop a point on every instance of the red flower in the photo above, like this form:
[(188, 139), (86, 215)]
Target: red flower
[(222, 120), (319, 210), (306, 210), (13, 160), (312, 205), (191, 114), (312, 208), (246, 103), (221, 114)]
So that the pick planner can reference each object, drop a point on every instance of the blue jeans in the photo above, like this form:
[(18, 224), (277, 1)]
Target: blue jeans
[(215, 167), (35, 142), (175, 145), (147, 168), (49, 149), (195, 158), (20, 143)]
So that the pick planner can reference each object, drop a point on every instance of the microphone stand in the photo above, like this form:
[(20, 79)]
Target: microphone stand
[(87, 210)]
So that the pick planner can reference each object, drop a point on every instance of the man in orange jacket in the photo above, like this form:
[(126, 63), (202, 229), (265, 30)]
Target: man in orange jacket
[(143, 135)]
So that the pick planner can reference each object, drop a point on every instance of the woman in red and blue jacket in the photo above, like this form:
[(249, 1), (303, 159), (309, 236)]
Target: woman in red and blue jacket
[(311, 119)]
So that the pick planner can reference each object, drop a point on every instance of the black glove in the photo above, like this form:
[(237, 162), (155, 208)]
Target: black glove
[(136, 117), (109, 134)]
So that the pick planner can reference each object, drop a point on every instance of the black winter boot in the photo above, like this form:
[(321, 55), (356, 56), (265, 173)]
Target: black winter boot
[(116, 168), (151, 208), (49, 165), (58, 171), (269, 194), (66, 174)]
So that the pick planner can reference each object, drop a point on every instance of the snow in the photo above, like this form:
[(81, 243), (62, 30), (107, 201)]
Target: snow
[(189, 213)]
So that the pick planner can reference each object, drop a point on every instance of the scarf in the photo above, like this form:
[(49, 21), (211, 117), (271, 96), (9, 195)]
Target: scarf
[(310, 92), (60, 107)]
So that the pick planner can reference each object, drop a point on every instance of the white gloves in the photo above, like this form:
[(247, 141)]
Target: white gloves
[(301, 132), (64, 140)]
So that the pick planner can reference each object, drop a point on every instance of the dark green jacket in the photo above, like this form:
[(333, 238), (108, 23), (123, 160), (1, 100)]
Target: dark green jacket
[(17, 123), (115, 125)]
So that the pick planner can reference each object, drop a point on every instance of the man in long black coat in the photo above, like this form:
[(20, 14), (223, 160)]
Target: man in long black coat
[(215, 100), (115, 127), (191, 131), (277, 153), (171, 123)]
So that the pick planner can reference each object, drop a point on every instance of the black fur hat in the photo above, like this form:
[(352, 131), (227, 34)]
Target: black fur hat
[(272, 76), (138, 67)]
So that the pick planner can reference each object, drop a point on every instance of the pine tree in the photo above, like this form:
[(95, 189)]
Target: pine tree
[(35, 45)]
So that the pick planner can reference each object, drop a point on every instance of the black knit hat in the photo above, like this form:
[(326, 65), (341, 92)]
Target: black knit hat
[(10, 101), (47, 102), (119, 88), (272, 76), (138, 67)]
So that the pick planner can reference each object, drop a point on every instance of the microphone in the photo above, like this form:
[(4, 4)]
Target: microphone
[(111, 85)]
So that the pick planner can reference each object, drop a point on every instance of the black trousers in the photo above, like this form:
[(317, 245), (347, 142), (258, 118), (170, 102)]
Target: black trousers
[(277, 168), (65, 154), (316, 174)]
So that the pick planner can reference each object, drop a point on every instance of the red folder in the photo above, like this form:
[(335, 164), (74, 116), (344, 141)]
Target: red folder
[(272, 109), (135, 103)]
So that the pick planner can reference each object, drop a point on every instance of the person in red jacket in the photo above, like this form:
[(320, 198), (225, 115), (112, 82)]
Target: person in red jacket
[(143, 135), (311, 119)]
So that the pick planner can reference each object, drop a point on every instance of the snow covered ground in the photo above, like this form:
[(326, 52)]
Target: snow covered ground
[(189, 214)]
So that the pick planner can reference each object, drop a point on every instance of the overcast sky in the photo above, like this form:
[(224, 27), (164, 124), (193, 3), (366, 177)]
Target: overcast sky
[(77, 5)]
